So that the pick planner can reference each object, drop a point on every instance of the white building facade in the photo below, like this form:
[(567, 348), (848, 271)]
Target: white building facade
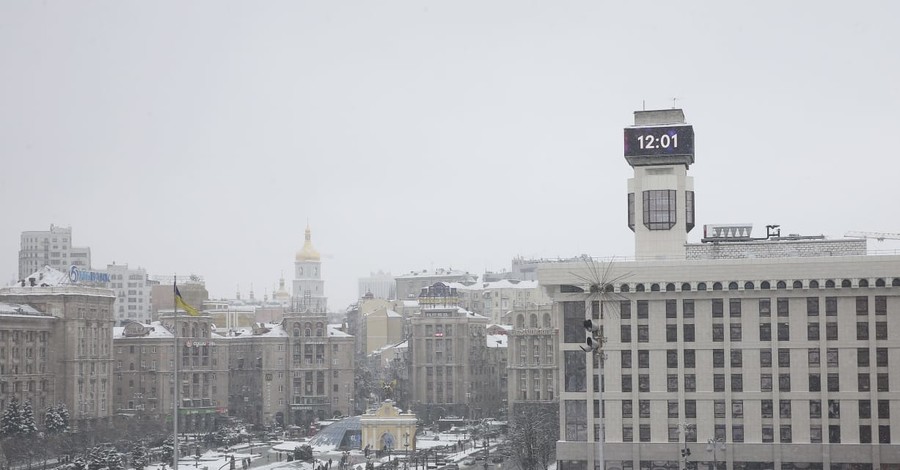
[(132, 288), (50, 248)]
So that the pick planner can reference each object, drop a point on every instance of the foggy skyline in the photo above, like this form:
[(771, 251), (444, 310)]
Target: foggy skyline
[(202, 137)]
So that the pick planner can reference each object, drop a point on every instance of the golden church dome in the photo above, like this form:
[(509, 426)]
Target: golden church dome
[(307, 253)]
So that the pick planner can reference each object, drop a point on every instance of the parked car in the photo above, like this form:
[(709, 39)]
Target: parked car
[(469, 462), (496, 459)]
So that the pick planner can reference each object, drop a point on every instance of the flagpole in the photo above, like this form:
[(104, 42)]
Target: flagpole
[(177, 383)]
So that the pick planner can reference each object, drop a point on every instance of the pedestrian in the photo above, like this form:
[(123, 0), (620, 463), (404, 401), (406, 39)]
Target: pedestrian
[(329, 464)]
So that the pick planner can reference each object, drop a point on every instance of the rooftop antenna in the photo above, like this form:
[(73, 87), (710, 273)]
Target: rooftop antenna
[(643, 105), (674, 103)]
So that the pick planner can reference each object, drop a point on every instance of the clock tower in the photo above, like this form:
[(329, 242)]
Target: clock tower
[(660, 149)]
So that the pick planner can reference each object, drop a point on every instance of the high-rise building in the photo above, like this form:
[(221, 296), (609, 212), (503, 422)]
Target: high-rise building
[(739, 352), (379, 285), (51, 248), (309, 287), (132, 288), (56, 346)]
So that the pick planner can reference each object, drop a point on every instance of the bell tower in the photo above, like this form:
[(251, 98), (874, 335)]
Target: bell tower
[(660, 149)]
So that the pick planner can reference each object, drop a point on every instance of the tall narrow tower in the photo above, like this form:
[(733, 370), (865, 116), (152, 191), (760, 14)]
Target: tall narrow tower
[(660, 148), (309, 288)]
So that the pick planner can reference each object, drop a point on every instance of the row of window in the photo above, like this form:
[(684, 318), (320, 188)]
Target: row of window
[(767, 409), (735, 332), (768, 433), (750, 285), (864, 382), (736, 358), (765, 307)]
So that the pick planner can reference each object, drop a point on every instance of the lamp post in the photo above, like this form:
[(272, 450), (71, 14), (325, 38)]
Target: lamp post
[(683, 429), (406, 446), (714, 445)]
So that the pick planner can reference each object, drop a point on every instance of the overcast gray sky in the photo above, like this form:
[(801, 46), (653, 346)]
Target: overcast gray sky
[(199, 137)]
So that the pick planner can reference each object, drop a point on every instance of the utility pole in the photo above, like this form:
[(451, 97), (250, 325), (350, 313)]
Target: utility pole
[(714, 445)]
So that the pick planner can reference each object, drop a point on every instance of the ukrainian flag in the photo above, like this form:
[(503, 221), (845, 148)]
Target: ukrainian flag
[(180, 303)]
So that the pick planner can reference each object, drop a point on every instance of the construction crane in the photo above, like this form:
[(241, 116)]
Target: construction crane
[(880, 236)]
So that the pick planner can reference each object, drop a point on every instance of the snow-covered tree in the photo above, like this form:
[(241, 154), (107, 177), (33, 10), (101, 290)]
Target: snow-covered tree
[(112, 460), (96, 458), (11, 421), (56, 419), (27, 424), (168, 449), (533, 433), (139, 456)]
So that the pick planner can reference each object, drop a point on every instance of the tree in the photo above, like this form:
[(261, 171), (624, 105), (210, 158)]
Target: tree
[(56, 419), (139, 457), (303, 452), (168, 449), (28, 425), (533, 433), (11, 421)]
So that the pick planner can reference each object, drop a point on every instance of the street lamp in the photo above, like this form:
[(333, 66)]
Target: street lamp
[(683, 429), (714, 445), (406, 446)]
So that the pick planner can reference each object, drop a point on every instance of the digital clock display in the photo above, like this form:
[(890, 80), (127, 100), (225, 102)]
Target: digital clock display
[(667, 140)]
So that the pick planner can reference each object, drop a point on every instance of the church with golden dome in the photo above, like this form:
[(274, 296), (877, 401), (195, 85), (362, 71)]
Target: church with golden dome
[(309, 288)]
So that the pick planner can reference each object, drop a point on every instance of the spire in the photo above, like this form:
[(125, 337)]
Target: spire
[(307, 253)]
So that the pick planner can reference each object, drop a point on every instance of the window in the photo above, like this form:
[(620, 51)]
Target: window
[(672, 358), (643, 359), (784, 409), (627, 408), (831, 331), (865, 434), (625, 333), (884, 434), (575, 371), (862, 305), (718, 332), (573, 319), (627, 433), (834, 383), (830, 305), (784, 332), (718, 358), (717, 308), (815, 409), (881, 381), (815, 434), (783, 309), (765, 382), (765, 307), (644, 382), (832, 357), (643, 332), (765, 358), (718, 382), (690, 408), (768, 434), (734, 308), (737, 383), (626, 359), (737, 358), (735, 331), (812, 331), (689, 358), (784, 357), (625, 310), (813, 357), (862, 357), (784, 382), (644, 408), (884, 409), (765, 332), (672, 382), (786, 433), (626, 382), (719, 408), (671, 308), (881, 357), (687, 308), (812, 306), (834, 409), (766, 409), (815, 382), (865, 409), (644, 430), (671, 333), (643, 310), (659, 210), (576, 420), (881, 331), (737, 408), (880, 305), (862, 330), (688, 332), (690, 383), (834, 434)]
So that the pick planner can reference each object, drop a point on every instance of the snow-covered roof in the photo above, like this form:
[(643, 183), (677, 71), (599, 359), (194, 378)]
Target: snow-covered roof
[(496, 341), (334, 330), (411, 303), (392, 313), (501, 284), (47, 277), (151, 330), (261, 330), (7, 309)]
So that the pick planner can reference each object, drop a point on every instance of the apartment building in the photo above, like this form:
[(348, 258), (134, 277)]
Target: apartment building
[(775, 352), (50, 248)]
